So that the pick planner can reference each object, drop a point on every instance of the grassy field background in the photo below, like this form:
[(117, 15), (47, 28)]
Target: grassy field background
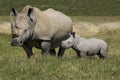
[(14, 64), (69, 7)]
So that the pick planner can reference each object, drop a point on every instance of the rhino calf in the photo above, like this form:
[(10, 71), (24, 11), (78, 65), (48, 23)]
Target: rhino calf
[(86, 47)]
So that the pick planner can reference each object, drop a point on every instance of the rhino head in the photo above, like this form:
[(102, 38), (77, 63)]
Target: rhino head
[(69, 42), (22, 25)]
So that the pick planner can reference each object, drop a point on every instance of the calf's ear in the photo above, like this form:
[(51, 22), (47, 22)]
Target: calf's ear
[(73, 33)]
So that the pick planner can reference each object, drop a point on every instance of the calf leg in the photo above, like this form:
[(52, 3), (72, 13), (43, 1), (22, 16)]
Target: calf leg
[(28, 50), (78, 53), (61, 52), (52, 52), (83, 54), (103, 53), (45, 46), (100, 56)]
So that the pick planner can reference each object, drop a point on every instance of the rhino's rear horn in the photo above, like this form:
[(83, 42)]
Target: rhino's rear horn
[(73, 33)]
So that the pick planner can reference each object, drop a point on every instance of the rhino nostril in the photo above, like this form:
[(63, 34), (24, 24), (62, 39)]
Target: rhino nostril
[(20, 41)]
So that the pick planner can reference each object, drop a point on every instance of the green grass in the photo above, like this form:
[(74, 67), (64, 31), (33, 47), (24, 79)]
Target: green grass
[(69, 7), (14, 64)]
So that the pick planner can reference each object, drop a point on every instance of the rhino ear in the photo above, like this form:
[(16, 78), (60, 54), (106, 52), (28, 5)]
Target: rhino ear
[(13, 12), (73, 33), (30, 11)]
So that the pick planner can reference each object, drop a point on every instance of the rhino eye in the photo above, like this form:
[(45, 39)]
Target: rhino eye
[(16, 27), (68, 42), (25, 30)]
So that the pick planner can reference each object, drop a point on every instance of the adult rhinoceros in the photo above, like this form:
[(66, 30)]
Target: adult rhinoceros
[(41, 29)]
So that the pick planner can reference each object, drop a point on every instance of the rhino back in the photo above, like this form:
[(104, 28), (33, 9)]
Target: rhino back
[(52, 25), (88, 45)]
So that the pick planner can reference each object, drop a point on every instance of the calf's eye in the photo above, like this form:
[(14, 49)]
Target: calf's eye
[(68, 42), (25, 30)]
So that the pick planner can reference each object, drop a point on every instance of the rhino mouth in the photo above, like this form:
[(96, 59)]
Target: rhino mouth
[(63, 46), (16, 42)]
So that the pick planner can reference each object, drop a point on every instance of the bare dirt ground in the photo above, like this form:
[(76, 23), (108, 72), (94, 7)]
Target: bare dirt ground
[(5, 27), (88, 28), (81, 28)]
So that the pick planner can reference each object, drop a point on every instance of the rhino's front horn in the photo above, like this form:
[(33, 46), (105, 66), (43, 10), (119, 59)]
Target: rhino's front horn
[(13, 14), (14, 42)]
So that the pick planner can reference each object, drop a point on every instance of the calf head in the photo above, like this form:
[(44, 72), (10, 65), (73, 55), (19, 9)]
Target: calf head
[(22, 25), (69, 42)]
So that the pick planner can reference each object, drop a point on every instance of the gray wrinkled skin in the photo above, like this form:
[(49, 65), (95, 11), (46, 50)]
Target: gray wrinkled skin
[(86, 47), (41, 29)]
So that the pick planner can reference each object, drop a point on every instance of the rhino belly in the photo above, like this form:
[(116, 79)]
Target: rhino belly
[(56, 42)]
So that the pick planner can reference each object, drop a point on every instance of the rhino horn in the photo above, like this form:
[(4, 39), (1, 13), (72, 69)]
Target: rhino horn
[(13, 14), (73, 33)]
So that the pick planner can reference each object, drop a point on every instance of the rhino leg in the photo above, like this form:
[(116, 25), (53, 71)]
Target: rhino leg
[(28, 50), (83, 54), (61, 52), (52, 52), (45, 46), (101, 55), (78, 53)]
